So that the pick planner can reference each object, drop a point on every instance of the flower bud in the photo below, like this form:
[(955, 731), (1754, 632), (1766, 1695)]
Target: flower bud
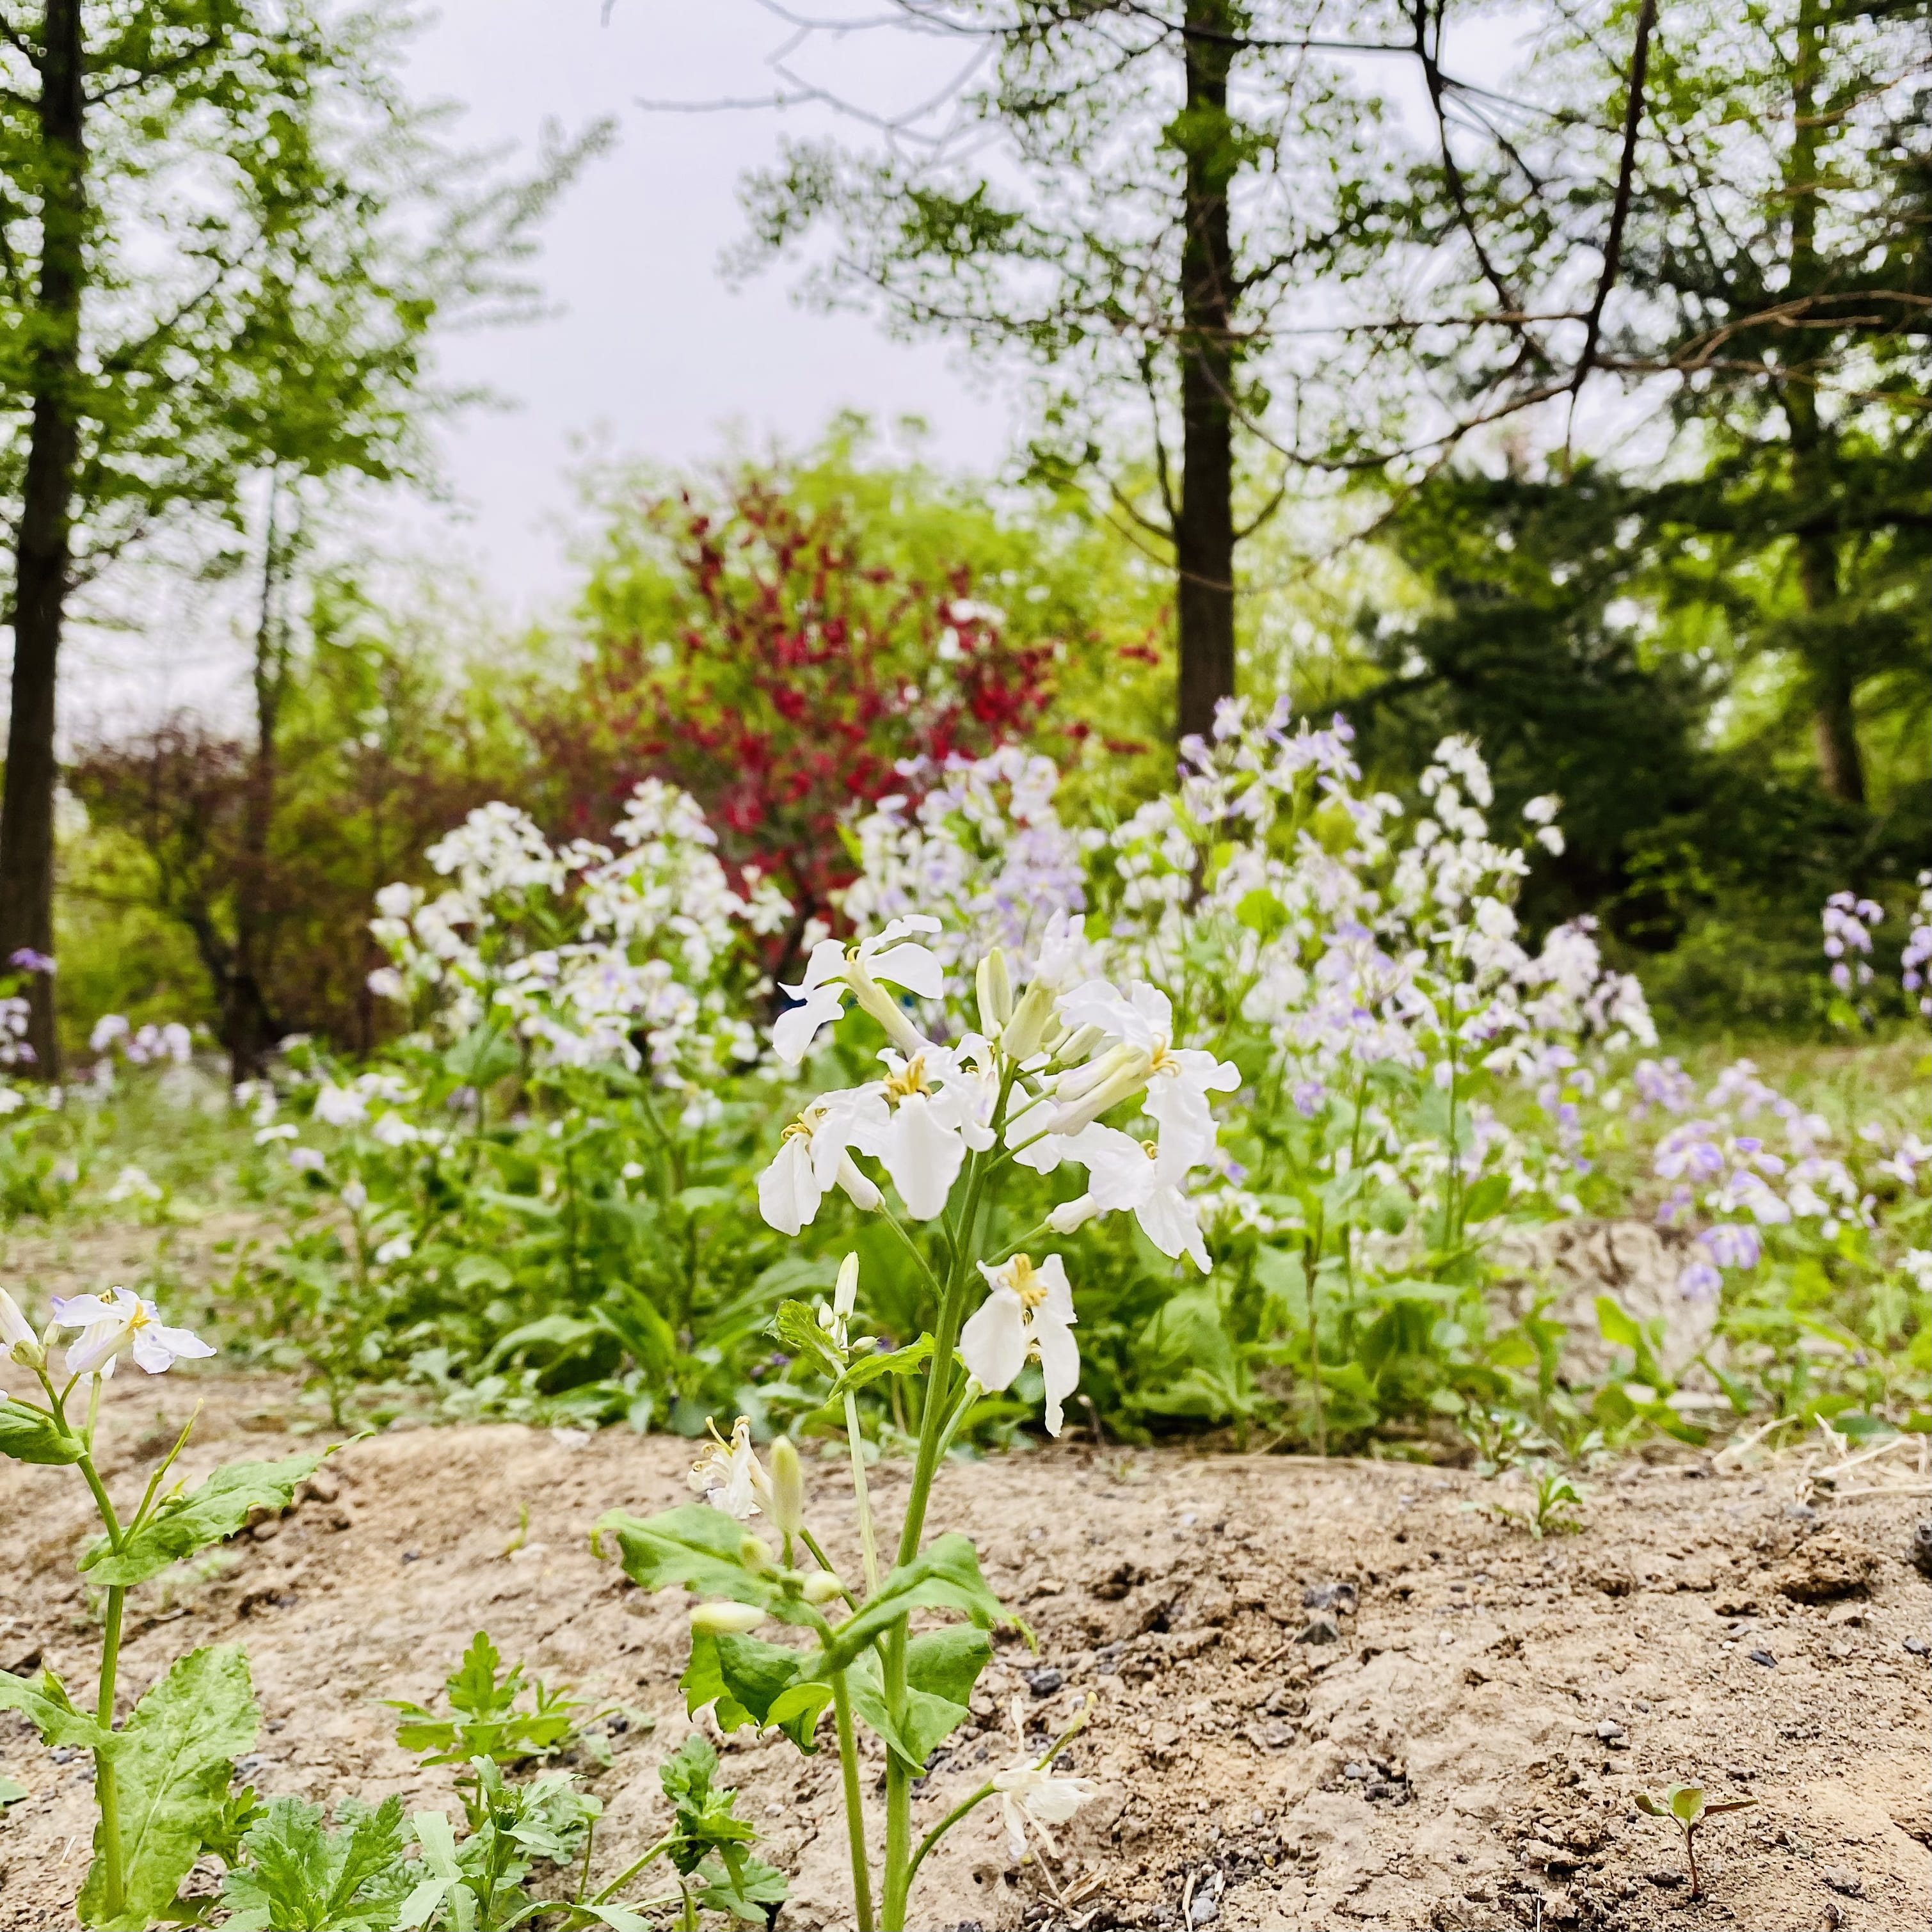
[(787, 1482), (15, 1328), (821, 1586), (726, 1619), (995, 986), (1078, 1044), (756, 1554), (863, 1192), (1021, 1035), (845, 1295), (1071, 1214)]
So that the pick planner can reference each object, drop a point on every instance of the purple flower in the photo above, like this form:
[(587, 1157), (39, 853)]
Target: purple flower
[(1732, 1245), (28, 960), (1309, 1096), (1699, 1281)]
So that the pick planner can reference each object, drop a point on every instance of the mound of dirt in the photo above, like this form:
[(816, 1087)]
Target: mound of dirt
[(1326, 1694)]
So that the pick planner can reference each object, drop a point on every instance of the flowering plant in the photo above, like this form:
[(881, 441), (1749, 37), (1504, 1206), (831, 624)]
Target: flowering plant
[(162, 1773), (964, 1096)]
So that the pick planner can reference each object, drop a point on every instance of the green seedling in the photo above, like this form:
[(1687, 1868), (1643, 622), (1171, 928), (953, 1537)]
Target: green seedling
[(486, 1722), (294, 1874), (1686, 1807), (1557, 1495)]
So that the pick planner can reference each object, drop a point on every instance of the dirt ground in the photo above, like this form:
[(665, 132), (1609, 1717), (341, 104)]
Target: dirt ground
[(1462, 1751)]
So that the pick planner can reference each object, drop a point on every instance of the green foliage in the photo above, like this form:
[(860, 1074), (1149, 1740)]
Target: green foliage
[(486, 1723), (180, 1525), (30, 1434), (1686, 1807), (709, 1842), (171, 1763), (295, 1875)]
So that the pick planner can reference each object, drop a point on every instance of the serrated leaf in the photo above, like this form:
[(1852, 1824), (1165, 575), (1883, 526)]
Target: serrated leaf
[(869, 1368), (44, 1701), (211, 1514), (746, 1893), (173, 1762), (31, 1435), (796, 1326), (296, 1877)]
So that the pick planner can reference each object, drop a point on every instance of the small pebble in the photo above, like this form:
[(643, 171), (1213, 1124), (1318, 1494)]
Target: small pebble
[(1801, 1513), (1044, 1682), (1917, 1646), (1609, 1730), (1765, 1657), (1320, 1630), (412, 1556), (1840, 1878), (1356, 1771), (1663, 1875)]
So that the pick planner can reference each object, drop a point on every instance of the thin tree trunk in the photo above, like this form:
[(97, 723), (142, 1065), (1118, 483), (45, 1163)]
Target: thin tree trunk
[(247, 1025), (1203, 533), (1832, 675), (44, 551)]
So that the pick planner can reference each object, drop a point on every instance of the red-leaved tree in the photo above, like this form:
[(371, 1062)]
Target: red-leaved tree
[(787, 682)]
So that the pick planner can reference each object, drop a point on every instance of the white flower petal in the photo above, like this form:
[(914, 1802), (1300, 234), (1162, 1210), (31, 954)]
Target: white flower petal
[(993, 1344)]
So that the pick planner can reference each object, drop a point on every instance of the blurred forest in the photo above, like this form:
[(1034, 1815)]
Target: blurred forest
[(1587, 415)]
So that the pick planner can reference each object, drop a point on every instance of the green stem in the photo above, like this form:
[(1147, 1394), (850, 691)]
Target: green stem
[(689, 1920), (630, 1872), (1313, 1268), (855, 1813), (868, 1545), (106, 1797), (932, 1427)]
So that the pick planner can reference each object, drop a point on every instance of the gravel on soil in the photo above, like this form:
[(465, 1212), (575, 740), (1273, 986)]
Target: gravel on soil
[(1327, 1694)]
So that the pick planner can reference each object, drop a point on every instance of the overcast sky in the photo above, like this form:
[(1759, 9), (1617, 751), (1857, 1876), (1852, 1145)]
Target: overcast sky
[(649, 351)]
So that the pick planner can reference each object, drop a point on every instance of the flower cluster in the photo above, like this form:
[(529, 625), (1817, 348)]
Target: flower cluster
[(658, 947), (1041, 1068), (1848, 921)]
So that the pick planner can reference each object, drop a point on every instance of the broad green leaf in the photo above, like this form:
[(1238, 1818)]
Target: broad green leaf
[(182, 1525), (695, 1545), (1617, 1328), (619, 1917), (482, 1057), (11, 1793), (944, 1575), (941, 1669), (31, 1435), (869, 1368), (746, 1680), (173, 1762), (44, 1703), (1488, 1197), (1687, 1803)]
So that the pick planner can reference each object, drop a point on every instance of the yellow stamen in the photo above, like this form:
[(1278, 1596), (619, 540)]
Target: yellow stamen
[(902, 1086), (1025, 1282)]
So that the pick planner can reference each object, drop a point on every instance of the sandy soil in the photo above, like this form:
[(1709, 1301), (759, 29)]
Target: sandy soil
[(1462, 1752)]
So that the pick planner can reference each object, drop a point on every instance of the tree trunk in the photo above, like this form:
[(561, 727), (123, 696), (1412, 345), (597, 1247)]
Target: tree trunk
[(1833, 676), (1203, 532), (44, 551), (247, 1027)]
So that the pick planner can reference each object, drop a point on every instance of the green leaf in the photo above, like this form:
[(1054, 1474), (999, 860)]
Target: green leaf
[(944, 1575), (1687, 1803), (182, 1525), (941, 1668), (796, 1326), (487, 1724), (747, 1893), (1617, 1328), (11, 1793), (296, 1877), (746, 1681), (869, 1368), (482, 1057), (44, 1701), (31, 1435), (1488, 1197), (696, 1545), (173, 1762)]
